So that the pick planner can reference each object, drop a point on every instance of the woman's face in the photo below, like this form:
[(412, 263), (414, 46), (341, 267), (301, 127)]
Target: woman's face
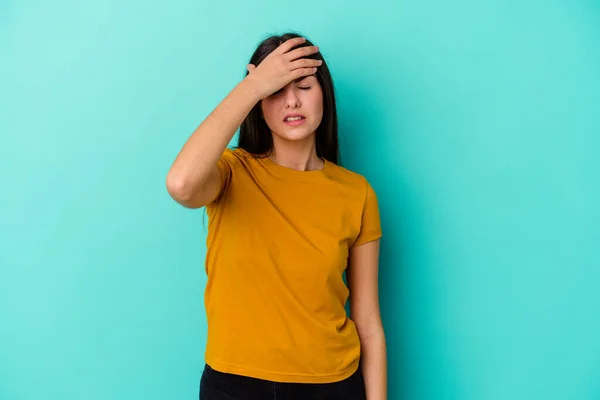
[(303, 97)]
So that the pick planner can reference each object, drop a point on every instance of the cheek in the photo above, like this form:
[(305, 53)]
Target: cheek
[(269, 109), (316, 99), (317, 105)]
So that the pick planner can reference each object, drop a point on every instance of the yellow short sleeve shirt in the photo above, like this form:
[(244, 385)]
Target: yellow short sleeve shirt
[(277, 247)]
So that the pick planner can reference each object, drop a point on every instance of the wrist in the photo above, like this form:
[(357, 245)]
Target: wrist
[(250, 89)]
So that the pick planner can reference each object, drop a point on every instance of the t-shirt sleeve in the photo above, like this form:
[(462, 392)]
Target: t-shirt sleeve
[(225, 166), (370, 228)]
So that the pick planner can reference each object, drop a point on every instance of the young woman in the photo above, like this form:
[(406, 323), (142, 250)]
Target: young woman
[(285, 222)]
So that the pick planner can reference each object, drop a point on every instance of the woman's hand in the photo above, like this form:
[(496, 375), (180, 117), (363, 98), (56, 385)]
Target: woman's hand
[(282, 66)]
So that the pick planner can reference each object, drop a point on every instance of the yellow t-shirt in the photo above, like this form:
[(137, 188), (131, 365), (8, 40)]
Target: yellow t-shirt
[(278, 243)]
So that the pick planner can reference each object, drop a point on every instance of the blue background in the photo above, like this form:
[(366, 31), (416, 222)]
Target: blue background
[(477, 124)]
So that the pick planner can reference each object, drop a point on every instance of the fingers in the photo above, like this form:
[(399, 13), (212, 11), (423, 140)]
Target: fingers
[(297, 73), (301, 52), (289, 44), (306, 63)]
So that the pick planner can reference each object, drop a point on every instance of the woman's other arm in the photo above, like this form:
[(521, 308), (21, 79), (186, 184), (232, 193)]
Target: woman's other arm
[(364, 307)]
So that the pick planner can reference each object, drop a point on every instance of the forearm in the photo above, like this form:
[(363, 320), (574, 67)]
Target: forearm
[(374, 366), (204, 147)]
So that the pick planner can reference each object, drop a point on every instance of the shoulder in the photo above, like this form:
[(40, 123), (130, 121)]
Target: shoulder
[(350, 178), (236, 155)]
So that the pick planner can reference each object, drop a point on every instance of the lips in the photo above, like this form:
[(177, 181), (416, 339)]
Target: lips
[(295, 121), (295, 116)]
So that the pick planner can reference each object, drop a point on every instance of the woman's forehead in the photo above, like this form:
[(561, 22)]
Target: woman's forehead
[(305, 78)]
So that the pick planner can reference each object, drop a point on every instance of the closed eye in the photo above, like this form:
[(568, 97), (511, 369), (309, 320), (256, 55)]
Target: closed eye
[(299, 87)]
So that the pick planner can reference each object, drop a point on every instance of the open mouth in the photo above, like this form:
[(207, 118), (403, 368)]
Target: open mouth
[(294, 118), (294, 121)]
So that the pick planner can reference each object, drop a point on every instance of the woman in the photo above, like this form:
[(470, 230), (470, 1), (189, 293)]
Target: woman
[(285, 222)]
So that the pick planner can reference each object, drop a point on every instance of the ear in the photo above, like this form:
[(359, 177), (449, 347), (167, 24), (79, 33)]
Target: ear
[(250, 67)]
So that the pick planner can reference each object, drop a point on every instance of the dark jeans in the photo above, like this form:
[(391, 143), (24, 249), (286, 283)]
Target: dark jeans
[(216, 385)]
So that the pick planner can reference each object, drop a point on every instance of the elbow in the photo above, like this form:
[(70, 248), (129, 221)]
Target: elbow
[(183, 193), (178, 189), (375, 336), (370, 329)]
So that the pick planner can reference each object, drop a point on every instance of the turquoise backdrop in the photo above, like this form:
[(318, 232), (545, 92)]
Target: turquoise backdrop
[(477, 123)]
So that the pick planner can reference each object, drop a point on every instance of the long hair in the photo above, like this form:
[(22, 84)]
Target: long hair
[(255, 136)]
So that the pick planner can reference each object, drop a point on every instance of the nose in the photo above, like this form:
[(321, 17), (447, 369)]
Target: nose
[(291, 97)]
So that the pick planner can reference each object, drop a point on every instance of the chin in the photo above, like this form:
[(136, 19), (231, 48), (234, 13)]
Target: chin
[(295, 135)]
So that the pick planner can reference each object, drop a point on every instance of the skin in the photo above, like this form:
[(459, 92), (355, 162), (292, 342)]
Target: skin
[(362, 275)]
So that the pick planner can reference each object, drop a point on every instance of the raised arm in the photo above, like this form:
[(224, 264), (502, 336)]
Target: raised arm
[(193, 179)]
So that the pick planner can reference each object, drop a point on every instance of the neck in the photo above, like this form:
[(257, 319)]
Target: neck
[(298, 155)]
